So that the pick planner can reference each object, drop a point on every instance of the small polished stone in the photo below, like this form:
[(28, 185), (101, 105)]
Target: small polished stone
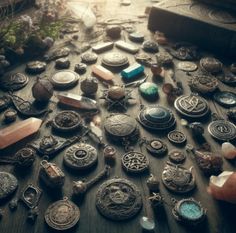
[(80, 68), (149, 90), (113, 31), (228, 150), (147, 224), (62, 63)]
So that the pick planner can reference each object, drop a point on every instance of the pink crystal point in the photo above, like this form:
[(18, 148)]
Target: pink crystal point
[(18, 131)]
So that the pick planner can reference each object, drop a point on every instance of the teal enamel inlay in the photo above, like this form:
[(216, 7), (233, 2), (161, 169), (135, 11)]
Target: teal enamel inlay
[(190, 210), (158, 114), (149, 90)]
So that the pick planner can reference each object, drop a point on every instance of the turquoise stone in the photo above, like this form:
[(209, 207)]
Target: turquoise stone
[(132, 72), (147, 224), (190, 210), (149, 90)]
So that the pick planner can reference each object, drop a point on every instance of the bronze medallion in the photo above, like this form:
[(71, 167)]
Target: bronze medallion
[(67, 121), (118, 199), (177, 178), (177, 137), (176, 156), (211, 65), (156, 147), (115, 59), (62, 215), (14, 82), (89, 57), (192, 106), (80, 156), (222, 130), (135, 162), (8, 184)]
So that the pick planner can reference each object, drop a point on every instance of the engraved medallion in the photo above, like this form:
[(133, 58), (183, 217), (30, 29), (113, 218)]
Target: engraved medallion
[(203, 83), (155, 117), (192, 106), (225, 98), (36, 67), (135, 162), (8, 184), (222, 130), (118, 199), (176, 137), (67, 121), (150, 46), (89, 57), (14, 82), (64, 79), (156, 147), (80, 156), (211, 65), (176, 156), (187, 66), (115, 59), (177, 178), (62, 215)]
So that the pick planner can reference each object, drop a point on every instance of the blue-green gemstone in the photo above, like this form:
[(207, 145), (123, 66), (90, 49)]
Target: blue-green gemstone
[(190, 210), (149, 90)]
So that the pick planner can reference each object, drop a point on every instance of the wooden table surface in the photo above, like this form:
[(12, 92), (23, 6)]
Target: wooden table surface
[(220, 215)]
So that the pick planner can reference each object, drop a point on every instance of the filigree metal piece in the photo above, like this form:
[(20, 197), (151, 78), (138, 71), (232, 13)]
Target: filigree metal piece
[(62, 215), (222, 130), (177, 178), (8, 184), (192, 106), (80, 156), (135, 162), (118, 199), (176, 156), (177, 137), (67, 121), (14, 82), (156, 147)]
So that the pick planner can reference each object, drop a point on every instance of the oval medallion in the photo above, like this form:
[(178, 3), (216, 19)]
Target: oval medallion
[(80, 156), (187, 66), (176, 137), (115, 59), (156, 147), (118, 199), (62, 215), (8, 184)]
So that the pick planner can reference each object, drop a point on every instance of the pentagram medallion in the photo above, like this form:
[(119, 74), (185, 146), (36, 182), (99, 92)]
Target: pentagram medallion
[(177, 178), (67, 121), (64, 79), (222, 130), (80, 156), (222, 16), (176, 137), (211, 65), (118, 199), (189, 211), (155, 117), (89, 57), (135, 162), (156, 147), (36, 67), (192, 106), (225, 98), (121, 128), (8, 184), (176, 156), (14, 82), (62, 215), (115, 59), (187, 66), (203, 83)]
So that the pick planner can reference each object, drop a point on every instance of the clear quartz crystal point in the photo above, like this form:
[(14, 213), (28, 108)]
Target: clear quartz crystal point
[(220, 179), (147, 224)]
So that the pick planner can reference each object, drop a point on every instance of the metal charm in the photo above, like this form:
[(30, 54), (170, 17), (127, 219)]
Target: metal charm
[(155, 117), (51, 174), (222, 130), (177, 178), (8, 184), (80, 156), (156, 147), (192, 106), (118, 199), (135, 162), (62, 215), (10, 115), (36, 67), (187, 66), (211, 65), (14, 82), (115, 59), (109, 153), (225, 98), (189, 211), (177, 137), (89, 57), (176, 156), (153, 183), (67, 121)]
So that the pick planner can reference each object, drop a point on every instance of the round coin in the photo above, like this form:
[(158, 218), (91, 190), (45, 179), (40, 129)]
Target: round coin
[(176, 137), (62, 215), (135, 162), (115, 59), (118, 199), (176, 156), (225, 98), (89, 57), (187, 66), (80, 156), (8, 184), (156, 147)]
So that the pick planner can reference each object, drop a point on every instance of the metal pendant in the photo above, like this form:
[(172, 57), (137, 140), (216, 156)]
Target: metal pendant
[(62, 215), (211, 65), (177, 137), (189, 211), (80, 156), (67, 121), (204, 84), (36, 67), (14, 82), (176, 156), (118, 199), (8, 184), (115, 59), (155, 117), (156, 147), (177, 178), (135, 162), (225, 98), (192, 106)]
